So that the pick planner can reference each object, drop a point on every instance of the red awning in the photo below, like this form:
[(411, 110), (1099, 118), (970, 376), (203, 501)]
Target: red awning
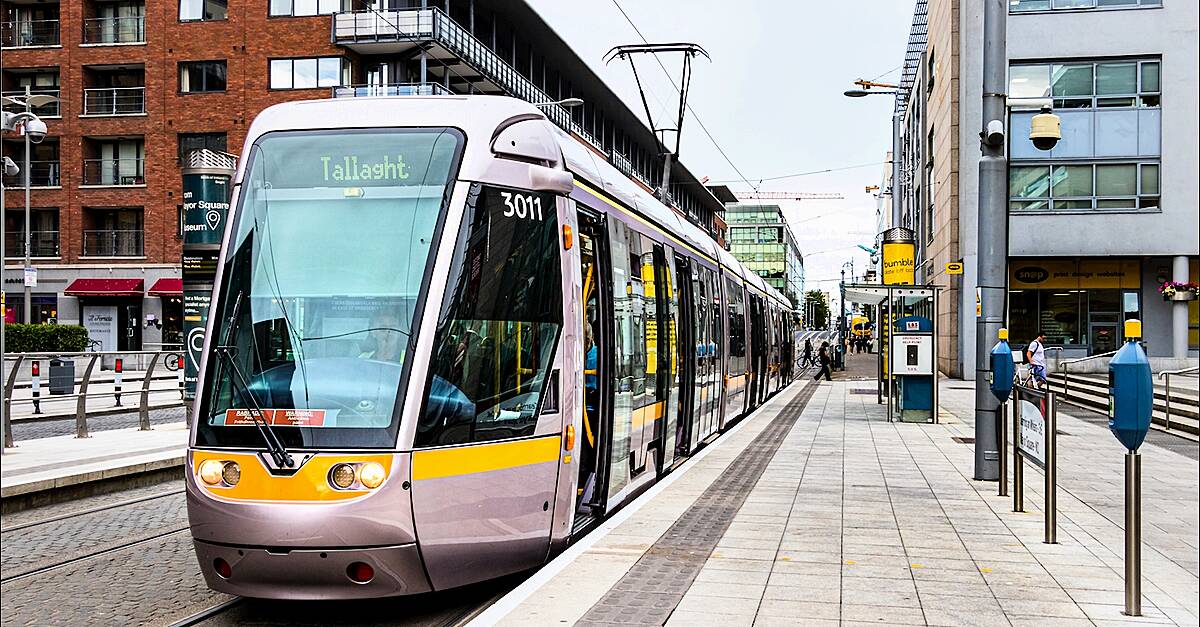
[(167, 287), (105, 287)]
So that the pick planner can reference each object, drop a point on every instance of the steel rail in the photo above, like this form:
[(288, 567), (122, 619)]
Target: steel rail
[(91, 510), (91, 556)]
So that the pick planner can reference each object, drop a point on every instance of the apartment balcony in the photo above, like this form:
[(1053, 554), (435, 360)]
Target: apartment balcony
[(30, 34), (114, 172), (393, 89), (110, 243), (51, 110), (397, 31), (41, 244), (41, 174), (114, 101), (114, 30)]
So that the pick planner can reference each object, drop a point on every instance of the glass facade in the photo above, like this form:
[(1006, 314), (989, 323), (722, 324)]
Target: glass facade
[(760, 238), (1079, 303)]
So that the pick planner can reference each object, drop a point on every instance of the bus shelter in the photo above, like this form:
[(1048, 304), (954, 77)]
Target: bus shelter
[(907, 327)]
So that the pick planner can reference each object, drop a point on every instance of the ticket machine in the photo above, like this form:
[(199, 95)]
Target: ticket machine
[(912, 365)]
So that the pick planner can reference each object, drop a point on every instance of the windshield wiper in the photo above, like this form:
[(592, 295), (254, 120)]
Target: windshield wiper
[(275, 447)]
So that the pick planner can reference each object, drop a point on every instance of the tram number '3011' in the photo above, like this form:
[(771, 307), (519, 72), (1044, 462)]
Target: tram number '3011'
[(522, 206)]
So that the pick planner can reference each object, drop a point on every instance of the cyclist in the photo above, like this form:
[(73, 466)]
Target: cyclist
[(1035, 354)]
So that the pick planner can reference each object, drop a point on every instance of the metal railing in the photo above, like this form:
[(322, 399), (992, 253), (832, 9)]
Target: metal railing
[(50, 110), (112, 243), (1064, 368), (41, 174), (114, 30), (1194, 371), (41, 244), (114, 101), (433, 24), (126, 171), (390, 89), (147, 364), (29, 34)]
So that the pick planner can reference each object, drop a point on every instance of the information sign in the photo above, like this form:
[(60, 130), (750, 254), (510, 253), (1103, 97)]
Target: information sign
[(1032, 433)]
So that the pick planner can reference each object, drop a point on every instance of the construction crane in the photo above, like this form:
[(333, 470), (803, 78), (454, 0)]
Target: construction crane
[(788, 196)]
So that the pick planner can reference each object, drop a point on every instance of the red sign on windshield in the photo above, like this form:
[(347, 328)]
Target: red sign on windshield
[(279, 417)]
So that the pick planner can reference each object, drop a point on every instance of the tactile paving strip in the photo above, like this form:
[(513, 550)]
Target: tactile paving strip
[(651, 590)]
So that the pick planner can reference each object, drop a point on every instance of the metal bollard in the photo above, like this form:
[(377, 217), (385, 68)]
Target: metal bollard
[(1002, 425), (35, 370), (117, 381), (1051, 474), (180, 375), (81, 428), (1133, 533), (144, 405), (1018, 461)]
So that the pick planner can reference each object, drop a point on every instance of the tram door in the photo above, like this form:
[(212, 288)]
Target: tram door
[(686, 354), (594, 450)]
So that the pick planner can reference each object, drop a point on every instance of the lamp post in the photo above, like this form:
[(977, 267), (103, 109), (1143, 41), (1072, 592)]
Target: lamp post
[(565, 102), (34, 130), (890, 90)]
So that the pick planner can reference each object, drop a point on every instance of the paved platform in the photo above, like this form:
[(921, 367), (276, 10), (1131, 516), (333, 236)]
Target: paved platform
[(855, 520), (47, 464)]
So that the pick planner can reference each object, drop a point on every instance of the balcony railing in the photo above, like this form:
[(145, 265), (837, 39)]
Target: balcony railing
[(41, 174), (114, 101), (114, 30), (29, 33), (41, 244), (112, 243), (113, 172), (51, 110), (433, 24), (393, 89)]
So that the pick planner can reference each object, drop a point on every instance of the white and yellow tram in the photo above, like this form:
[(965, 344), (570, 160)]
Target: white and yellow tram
[(446, 338)]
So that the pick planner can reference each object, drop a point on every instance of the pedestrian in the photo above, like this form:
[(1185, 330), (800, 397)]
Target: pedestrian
[(823, 356), (1035, 354), (787, 358), (807, 361)]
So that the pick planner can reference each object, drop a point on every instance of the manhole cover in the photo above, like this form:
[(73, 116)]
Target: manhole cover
[(962, 440)]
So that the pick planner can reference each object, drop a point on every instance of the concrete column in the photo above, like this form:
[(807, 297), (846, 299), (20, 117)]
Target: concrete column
[(1179, 310)]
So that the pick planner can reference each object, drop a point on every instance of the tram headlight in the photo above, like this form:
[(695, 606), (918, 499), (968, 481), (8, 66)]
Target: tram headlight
[(211, 471), (371, 474), (342, 476), (231, 473)]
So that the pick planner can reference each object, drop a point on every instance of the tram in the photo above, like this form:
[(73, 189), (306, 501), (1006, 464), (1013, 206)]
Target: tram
[(446, 339)]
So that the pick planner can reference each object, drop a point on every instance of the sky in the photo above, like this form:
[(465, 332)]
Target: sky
[(771, 98)]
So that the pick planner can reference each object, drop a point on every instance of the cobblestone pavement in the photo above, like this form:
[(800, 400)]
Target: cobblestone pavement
[(55, 510), (39, 546), (50, 428), (154, 583)]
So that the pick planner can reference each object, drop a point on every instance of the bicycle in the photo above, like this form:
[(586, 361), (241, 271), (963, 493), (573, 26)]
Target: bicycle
[(174, 361)]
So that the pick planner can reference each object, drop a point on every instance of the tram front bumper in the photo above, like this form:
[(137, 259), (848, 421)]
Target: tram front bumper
[(311, 574)]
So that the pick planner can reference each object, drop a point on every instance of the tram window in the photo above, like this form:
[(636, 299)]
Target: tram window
[(499, 323)]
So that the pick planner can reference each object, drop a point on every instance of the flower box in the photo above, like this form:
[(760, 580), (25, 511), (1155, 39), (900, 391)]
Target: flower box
[(1182, 295)]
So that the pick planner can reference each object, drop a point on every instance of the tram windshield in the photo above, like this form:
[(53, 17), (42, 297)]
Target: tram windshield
[(323, 278)]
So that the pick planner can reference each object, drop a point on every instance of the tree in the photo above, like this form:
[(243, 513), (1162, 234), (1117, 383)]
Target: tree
[(817, 309)]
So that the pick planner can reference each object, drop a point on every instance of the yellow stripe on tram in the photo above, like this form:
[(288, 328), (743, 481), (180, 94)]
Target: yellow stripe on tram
[(476, 458)]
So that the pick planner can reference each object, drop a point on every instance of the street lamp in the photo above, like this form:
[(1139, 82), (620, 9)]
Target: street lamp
[(565, 102), (869, 89), (34, 130)]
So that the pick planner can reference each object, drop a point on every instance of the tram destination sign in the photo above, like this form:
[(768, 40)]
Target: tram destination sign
[(1032, 431)]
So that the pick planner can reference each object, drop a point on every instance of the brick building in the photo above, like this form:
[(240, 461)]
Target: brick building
[(140, 82)]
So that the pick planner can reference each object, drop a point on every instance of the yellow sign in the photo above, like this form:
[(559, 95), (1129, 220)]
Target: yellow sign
[(954, 267), (899, 263), (1074, 274)]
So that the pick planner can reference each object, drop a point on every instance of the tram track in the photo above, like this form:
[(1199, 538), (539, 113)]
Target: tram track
[(91, 510), (106, 551)]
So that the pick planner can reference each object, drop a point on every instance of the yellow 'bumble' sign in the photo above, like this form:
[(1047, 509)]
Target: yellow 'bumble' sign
[(899, 263)]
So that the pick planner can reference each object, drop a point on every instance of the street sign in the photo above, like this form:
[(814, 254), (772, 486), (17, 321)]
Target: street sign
[(978, 302), (1033, 433), (954, 267), (30, 277)]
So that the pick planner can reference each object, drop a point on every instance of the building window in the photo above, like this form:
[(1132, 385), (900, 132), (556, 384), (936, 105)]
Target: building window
[(299, 8), (1026, 6), (309, 73), (203, 10), (201, 76), (1083, 186), (1088, 85), (197, 141)]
